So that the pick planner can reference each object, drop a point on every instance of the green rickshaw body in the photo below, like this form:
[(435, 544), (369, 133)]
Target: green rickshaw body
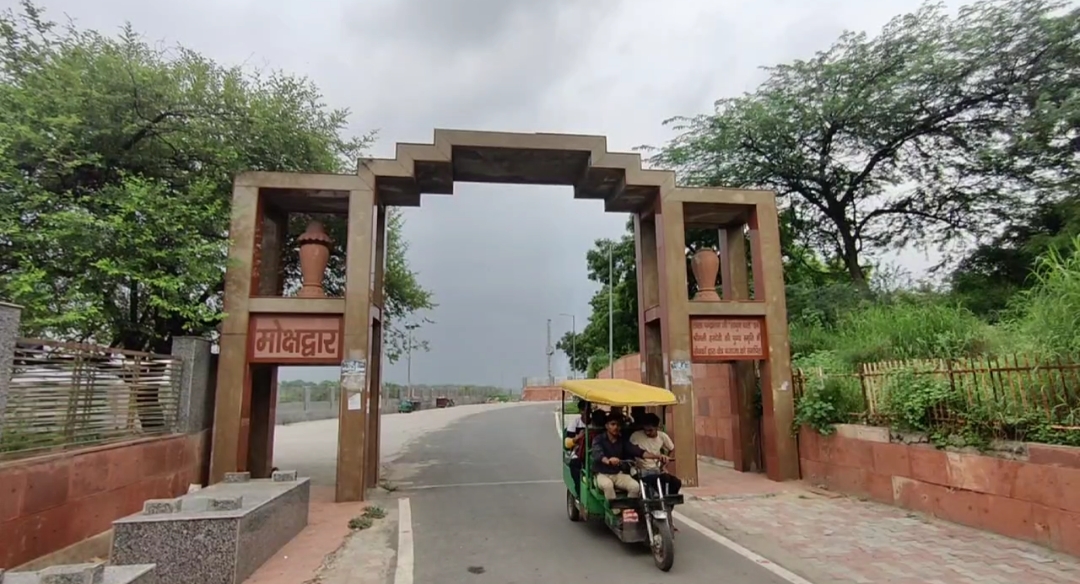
[(591, 502)]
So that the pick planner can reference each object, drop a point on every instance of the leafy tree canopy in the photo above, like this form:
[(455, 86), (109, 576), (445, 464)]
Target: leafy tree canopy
[(911, 136), (116, 167)]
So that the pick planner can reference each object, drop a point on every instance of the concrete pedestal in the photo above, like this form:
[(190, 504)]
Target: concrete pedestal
[(96, 573), (218, 535)]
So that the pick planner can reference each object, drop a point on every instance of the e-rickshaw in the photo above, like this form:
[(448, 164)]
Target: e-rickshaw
[(634, 520)]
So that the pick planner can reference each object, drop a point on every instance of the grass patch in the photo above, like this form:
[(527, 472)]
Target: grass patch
[(375, 512), (360, 523)]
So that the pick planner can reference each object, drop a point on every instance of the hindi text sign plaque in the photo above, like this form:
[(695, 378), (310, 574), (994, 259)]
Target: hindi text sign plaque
[(314, 339), (727, 338)]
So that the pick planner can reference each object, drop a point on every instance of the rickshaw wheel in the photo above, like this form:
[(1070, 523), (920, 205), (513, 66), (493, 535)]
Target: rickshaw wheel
[(571, 507), (663, 546)]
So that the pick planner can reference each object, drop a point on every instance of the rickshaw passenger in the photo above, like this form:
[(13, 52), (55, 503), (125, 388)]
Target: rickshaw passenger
[(577, 457), (608, 451), (652, 439), (576, 430), (578, 424), (637, 415)]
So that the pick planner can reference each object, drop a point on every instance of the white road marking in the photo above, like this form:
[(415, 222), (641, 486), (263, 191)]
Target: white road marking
[(494, 484), (403, 574), (779, 571)]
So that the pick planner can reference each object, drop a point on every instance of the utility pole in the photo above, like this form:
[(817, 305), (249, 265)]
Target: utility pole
[(550, 351), (408, 363), (610, 308), (573, 344)]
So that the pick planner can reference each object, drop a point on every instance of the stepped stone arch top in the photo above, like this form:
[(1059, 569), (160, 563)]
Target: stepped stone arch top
[(661, 210), (579, 161)]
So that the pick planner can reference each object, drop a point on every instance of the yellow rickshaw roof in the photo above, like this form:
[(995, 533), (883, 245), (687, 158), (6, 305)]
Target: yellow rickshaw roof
[(619, 392)]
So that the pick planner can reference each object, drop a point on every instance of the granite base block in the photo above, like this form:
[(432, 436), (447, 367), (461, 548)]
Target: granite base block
[(96, 573), (217, 535)]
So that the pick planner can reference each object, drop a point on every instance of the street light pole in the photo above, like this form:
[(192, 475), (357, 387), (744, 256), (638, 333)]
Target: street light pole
[(610, 308), (408, 361), (550, 351), (573, 344)]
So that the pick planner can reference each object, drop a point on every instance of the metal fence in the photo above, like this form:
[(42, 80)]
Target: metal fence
[(64, 394)]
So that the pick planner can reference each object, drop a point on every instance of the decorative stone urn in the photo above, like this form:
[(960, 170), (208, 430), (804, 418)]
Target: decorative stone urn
[(705, 264), (314, 255)]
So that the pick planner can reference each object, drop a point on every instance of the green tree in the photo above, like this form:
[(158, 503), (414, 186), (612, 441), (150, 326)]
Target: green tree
[(1040, 143), (990, 275), (883, 141), (589, 352), (116, 164)]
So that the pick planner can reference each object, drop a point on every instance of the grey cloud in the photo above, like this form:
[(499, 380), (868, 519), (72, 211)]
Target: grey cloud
[(460, 25), (476, 63)]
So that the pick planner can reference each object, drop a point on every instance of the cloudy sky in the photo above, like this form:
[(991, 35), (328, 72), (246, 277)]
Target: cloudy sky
[(501, 260)]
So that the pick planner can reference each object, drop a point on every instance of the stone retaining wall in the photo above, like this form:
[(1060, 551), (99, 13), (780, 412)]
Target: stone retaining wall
[(51, 502), (1028, 491)]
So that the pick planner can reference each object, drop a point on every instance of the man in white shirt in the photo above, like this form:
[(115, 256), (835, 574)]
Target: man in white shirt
[(653, 440), (578, 424)]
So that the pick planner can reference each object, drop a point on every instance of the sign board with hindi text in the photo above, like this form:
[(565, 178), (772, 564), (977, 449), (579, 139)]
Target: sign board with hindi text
[(296, 339), (716, 338)]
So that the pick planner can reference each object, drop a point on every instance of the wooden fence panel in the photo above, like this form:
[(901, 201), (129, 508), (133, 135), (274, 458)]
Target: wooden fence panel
[(1014, 385)]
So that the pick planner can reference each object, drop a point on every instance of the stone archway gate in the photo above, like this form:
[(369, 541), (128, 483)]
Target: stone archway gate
[(347, 331)]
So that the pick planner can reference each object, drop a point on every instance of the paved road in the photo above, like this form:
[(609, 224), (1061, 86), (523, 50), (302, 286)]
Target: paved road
[(488, 505)]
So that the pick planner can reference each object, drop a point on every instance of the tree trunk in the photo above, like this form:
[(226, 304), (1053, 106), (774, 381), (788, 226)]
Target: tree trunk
[(851, 258)]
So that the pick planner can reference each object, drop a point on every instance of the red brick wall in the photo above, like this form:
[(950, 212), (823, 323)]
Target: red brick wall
[(713, 427), (50, 502), (626, 367), (1035, 498), (541, 394)]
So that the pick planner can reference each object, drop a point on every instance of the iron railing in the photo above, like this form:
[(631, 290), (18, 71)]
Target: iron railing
[(64, 394)]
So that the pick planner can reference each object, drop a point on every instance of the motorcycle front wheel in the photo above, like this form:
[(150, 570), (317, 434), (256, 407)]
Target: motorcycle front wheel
[(663, 545)]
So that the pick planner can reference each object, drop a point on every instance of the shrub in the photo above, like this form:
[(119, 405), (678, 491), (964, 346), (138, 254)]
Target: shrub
[(915, 401), (831, 394)]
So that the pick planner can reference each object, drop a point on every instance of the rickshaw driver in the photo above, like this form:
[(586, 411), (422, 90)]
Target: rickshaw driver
[(608, 452)]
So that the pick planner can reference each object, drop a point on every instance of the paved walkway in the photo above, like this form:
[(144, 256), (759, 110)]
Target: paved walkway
[(830, 539)]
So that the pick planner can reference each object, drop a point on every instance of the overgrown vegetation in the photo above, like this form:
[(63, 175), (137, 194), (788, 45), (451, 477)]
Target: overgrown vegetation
[(1035, 396), (952, 131)]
